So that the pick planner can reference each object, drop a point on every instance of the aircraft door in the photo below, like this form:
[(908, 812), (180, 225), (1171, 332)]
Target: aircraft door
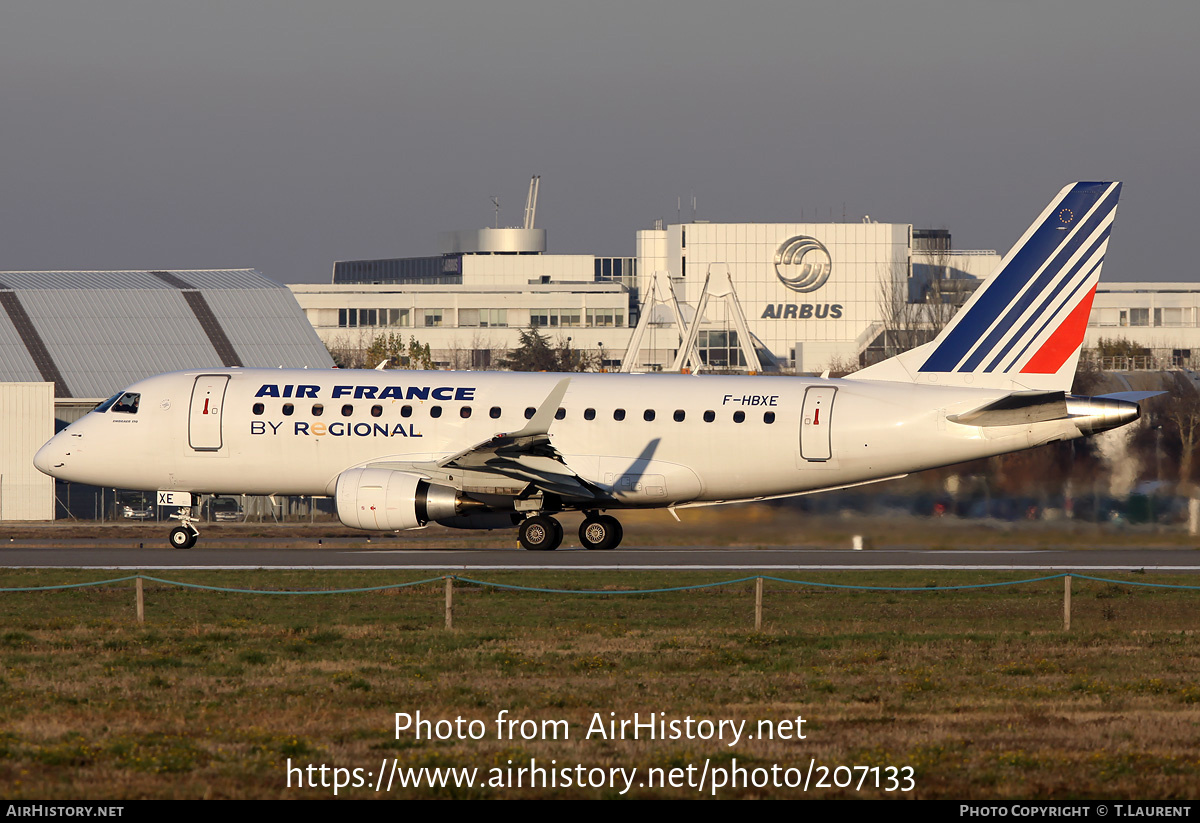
[(815, 423), (204, 419)]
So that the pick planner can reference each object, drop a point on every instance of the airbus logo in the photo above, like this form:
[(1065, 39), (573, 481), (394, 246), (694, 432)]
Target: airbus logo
[(803, 263)]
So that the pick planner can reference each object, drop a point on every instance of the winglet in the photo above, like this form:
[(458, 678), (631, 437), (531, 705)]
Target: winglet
[(544, 416)]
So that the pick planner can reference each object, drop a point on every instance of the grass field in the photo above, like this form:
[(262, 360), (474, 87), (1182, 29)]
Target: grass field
[(979, 691)]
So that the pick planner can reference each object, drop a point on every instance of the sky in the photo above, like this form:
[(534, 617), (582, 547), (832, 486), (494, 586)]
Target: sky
[(147, 134)]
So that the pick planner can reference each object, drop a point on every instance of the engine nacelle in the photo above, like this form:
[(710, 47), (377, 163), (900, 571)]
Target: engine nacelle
[(386, 500)]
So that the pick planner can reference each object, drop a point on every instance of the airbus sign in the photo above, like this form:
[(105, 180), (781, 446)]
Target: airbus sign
[(803, 263)]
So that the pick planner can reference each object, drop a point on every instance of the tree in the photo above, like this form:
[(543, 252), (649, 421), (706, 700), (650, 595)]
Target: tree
[(1182, 416), (535, 353), (391, 348)]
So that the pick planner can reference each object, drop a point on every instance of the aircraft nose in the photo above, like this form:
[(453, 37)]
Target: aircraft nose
[(50, 456)]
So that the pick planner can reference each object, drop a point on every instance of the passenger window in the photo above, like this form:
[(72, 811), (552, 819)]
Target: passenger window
[(560, 414), (347, 410), (768, 417), (710, 416), (258, 408), (288, 408), (680, 414), (529, 412), (464, 412), (648, 415), (589, 414), (127, 403), (406, 411), (318, 409), (618, 414), (739, 416), (377, 411), (435, 411), (495, 412)]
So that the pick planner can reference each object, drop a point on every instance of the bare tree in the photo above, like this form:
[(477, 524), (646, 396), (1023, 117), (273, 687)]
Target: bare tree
[(1182, 415)]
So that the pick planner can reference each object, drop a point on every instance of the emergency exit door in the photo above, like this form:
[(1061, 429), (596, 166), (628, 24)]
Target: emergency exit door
[(815, 442), (204, 420)]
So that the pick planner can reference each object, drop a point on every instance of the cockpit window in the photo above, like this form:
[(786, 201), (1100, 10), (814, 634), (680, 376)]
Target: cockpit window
[(107, 404), (127, 403), (124, 402)]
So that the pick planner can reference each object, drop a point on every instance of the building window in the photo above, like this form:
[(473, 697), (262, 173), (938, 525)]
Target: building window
[(398, 317), (1139, 317), (720, 349), (606, 318), (553, 318), (432, 317)]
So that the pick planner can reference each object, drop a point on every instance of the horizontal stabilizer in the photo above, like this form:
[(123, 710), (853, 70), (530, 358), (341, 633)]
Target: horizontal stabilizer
[(1019, 409), (1131, 396)]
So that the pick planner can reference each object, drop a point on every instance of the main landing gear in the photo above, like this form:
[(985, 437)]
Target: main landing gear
[(543, 533), (600, 532)]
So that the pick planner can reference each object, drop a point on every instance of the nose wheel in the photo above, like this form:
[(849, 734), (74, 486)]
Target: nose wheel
[(540, 533), (183, 537), (601, 532)]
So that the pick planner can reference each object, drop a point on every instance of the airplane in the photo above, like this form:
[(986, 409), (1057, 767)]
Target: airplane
[(485, 450)]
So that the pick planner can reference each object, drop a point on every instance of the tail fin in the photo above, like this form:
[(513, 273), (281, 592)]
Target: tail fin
[(1023, 328)]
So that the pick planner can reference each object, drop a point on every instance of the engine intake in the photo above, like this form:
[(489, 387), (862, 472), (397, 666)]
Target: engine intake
[(386, 500)]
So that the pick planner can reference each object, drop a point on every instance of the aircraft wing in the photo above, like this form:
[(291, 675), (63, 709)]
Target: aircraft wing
[(528, 455)]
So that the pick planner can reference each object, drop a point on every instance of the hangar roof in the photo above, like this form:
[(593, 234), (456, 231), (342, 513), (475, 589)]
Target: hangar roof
[(93, 333)]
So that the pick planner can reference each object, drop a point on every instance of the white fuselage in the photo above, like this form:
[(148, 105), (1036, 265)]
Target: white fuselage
[(255, 431)]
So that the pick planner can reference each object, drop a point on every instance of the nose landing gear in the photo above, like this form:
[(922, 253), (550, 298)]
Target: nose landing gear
[(184, 535)]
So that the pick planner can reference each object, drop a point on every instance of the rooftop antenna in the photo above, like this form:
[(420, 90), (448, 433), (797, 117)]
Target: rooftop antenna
[(531, 200), (496, 203)]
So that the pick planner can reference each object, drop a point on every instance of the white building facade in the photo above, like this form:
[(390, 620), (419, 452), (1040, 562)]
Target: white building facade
[(815, 296)]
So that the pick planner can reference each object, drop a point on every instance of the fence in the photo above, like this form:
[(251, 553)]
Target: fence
[(450, 579)]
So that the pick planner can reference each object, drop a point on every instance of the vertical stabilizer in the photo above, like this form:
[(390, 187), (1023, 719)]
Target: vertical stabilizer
[(1023, 328)]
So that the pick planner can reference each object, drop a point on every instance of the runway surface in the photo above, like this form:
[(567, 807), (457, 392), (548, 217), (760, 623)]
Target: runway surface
[(352, 555)]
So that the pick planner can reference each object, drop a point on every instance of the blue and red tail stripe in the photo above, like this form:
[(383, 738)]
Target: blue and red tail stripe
[(1037, 286)]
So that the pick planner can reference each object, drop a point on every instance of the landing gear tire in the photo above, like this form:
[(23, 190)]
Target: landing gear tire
[(540, 533), (603, 532), (182, 537)]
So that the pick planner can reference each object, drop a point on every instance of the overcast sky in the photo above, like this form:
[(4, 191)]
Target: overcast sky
[(287, 135)]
